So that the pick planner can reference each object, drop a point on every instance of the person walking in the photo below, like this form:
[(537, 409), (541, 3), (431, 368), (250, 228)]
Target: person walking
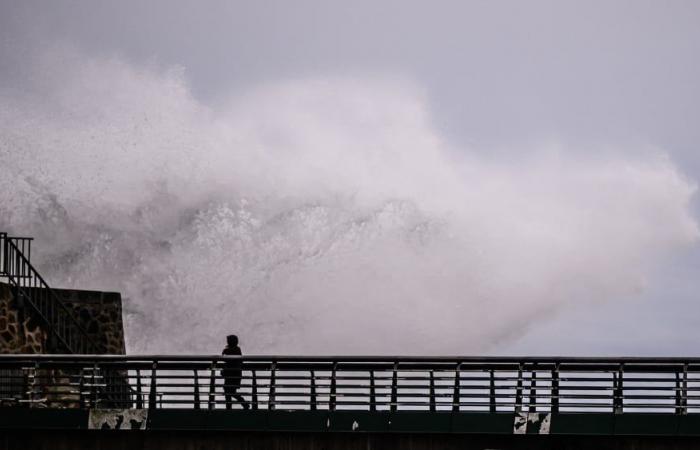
[(232, 373)]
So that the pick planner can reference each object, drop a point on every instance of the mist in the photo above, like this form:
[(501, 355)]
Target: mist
[(323, 214)]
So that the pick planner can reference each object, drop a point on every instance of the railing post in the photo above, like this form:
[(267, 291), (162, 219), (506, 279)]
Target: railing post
[(312, 400), (152, 393), (212, 385), (271, 397), (456, 394), (394, 388), (532, 407), (519, 390), (372, 392), (618, 390), (492, 391), (81, 389), (196, 389), (332, 395), (19, 267), (139, 390), (432, 391), (681, 391), (555, 388), (684, 403), (93, 388), (254, 390), (3, 253)]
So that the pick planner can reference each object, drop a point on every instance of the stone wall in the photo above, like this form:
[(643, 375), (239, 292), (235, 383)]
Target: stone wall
[(100, 313), (19, 332)]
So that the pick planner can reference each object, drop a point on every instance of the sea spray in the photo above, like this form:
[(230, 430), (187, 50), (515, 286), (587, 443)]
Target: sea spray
[(322, 215)]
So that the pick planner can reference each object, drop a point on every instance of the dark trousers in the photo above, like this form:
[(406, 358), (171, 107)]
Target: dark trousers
[(231, 386)]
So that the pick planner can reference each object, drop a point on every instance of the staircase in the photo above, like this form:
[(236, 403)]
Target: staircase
[(65, 334)]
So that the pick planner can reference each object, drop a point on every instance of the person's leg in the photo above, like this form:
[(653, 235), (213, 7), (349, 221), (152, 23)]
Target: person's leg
[(229, 391), (240, 399)]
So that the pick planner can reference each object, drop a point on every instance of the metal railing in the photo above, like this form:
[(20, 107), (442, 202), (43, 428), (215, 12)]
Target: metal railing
[(434, 384), (66, 335)]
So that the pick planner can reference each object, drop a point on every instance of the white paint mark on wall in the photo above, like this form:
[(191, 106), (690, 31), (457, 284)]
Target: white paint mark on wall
[(537, 423), (117, 419), (520, 423)]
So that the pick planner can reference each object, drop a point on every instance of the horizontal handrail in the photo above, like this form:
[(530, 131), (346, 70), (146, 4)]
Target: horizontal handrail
[(604, 360)]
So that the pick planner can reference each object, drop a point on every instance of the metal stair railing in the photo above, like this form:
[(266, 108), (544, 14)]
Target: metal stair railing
[(65, 334)]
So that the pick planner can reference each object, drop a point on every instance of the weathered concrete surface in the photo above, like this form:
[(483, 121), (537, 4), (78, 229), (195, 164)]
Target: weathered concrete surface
[(118, 419), (221, 440)]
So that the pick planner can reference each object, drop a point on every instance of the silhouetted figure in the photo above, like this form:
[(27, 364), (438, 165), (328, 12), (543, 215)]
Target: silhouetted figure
[(232, 373)]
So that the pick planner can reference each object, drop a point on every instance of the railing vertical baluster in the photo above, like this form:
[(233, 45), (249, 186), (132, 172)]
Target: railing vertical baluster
[(93, 387), (372, 392), (684, 402), (678, 394), (81, 389), (3, 252), (272, 389), (18, 266), (312, 400), (555, 388), (681, 391), (395, 387), (152, 390), (27, 381), (618, 403), (212, 385), (139, 390), (519, 390), (432, 391), (456, 396), (614, 392), (332, 395), (196, 389), (254, 394), (532, 407), (22, 273), (492, 391)]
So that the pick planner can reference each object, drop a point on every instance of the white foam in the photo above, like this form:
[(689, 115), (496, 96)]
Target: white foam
[(316, 215)]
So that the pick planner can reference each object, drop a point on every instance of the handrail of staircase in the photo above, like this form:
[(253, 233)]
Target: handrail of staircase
[(44, 301)]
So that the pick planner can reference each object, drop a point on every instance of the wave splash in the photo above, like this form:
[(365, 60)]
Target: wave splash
[(317, 215)]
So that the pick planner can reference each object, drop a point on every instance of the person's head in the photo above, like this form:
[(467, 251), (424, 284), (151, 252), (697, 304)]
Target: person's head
[(232, 340)]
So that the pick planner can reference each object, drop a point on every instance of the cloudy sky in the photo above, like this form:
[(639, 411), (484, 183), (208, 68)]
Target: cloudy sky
[(587, 108)]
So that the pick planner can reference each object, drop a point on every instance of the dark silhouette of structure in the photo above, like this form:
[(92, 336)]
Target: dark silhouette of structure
[(232, 373)]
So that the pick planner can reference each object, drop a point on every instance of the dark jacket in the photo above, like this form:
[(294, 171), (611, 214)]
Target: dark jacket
[(232, 369)]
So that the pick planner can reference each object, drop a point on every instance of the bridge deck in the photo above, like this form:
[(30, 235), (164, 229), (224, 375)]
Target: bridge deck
[(600, 424)]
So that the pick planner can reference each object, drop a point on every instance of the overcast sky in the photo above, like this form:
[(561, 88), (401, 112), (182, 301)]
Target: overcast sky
[(499, 77)]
